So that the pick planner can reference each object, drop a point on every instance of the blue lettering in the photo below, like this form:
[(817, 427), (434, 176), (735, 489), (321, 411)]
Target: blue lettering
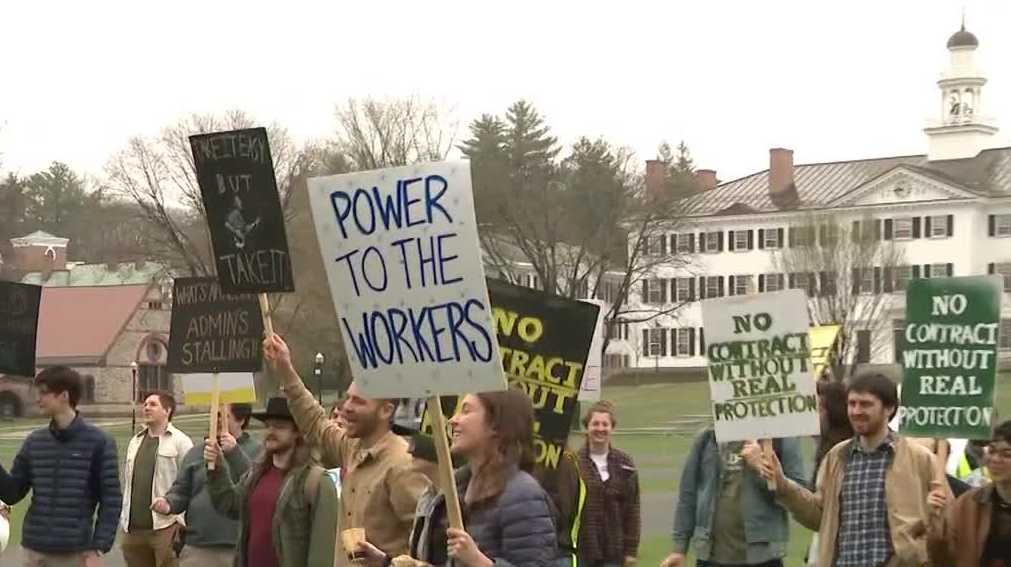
[(436, 331), (398, 334), (427, 261), (363, 346), (488, 346), (443, 260), (391, 210), (375, 337), (342, 215), (432, 202), (403, 258), (419, 335), (404, 185), (359, 194), (374, 252), (351, 269)]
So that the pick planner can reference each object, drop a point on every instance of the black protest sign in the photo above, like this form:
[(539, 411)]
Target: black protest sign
[(212, 331), (544, 341), (236, 176), (19, 323)]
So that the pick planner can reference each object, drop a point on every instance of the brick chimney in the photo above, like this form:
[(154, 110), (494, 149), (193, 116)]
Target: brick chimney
[(706, 179), (782, 189), (654, 178)]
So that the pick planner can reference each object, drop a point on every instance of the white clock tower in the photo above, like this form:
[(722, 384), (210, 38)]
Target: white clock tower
[(963, 131)]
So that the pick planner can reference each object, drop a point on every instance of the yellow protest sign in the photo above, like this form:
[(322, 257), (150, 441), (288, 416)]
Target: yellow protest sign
[(822, 340)]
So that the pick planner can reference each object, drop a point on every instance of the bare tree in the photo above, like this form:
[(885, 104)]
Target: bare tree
[(373, 134), (158, 175), (850, 274)]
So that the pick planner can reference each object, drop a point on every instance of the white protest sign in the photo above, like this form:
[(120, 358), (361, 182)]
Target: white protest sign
[(759, 371), (589, 388), (400, 248), (233, 388)]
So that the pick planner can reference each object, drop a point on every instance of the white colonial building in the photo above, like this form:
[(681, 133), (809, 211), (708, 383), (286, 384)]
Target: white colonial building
[(949, 211)]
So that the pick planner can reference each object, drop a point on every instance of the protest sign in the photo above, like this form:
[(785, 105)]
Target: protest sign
[(401, 252), (758, 349), (212, 331), (19, 324), (233, 388), (822, 340), (545, 341), (236, 176), (949, 357), (589, 388)]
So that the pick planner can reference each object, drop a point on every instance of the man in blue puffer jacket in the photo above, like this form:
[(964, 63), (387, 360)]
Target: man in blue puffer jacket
[(70, 467)]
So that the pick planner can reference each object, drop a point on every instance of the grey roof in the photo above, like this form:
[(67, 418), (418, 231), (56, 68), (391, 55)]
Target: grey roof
[(819, 184), (962, 38)]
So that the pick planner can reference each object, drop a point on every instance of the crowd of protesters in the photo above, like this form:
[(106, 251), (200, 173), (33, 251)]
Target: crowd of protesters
[(872, 497)]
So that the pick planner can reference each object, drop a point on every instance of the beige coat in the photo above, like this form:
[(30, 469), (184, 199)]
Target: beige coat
[(907, 483), (172, 448)]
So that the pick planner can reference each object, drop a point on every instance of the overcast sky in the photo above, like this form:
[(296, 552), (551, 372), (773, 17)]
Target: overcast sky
[(831, 80)]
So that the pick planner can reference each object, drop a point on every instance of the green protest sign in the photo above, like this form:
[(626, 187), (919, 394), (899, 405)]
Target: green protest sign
[(949, 357)]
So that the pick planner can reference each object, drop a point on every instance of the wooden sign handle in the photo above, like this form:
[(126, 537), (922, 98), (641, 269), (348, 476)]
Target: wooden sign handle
[(943, 450), (767, 452), (215, 407), (445, 463), (268, 325)]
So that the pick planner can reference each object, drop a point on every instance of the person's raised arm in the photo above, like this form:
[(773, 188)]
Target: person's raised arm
[(311, 418), (15, 485)]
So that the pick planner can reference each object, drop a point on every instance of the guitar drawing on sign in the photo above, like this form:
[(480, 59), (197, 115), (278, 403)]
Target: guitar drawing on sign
[(237, 225)]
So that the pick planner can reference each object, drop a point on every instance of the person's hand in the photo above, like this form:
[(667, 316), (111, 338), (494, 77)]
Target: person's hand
[(227, 442), (5, 511), (461, 547), (211, 451), (674, 560), (276, 352), (630, 561), (771, 469), (370, 554), (161, 506), (752, 454), (937, 499), (91, 558)]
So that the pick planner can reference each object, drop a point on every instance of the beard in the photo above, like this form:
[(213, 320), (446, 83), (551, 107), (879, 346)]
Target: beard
[(363, 425)]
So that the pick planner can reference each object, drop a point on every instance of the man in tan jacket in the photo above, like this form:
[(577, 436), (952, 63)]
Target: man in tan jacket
[(869, 505), (380, 489)]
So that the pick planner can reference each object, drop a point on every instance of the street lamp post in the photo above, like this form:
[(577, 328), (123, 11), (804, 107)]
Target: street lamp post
[(133, 399), (318, 371)]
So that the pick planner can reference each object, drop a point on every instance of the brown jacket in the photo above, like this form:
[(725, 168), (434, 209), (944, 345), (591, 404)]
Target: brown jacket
[(960, 538), (610, 526), (907, 483), (380, 490)]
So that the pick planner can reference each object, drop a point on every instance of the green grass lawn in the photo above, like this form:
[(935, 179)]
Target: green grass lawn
[(659, 457)]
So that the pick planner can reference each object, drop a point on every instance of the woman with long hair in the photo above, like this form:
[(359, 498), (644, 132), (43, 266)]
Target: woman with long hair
[(507, 515)]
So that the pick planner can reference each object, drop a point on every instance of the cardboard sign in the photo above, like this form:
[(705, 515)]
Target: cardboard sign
[(233, 388), (822, 340), (949, 357), (404, 266), (545, 341), (19, 325), (212, 331), (589, 389), (759, 352), (236, 177)]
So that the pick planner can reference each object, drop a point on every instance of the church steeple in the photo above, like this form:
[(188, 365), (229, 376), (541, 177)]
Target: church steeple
[(962, 130)]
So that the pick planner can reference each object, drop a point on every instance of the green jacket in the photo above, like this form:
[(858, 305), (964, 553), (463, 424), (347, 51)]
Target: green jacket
[(205, 527), (305, 520)]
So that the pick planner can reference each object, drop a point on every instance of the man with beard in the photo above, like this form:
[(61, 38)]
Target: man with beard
[(869, 505), (286, 515), (380, 489)]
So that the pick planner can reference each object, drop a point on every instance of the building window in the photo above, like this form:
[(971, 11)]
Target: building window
[(741, 238), (713, 241), (683, 339), (938, 226), (898, 332), (683, 289), (829, 235), (938, 270), (608, 290), (532, 281), (742, 284), (902, 276), (802, 280), (801, 236), (1005, 334), (616, 361), (903, 229), (618, 330), (771, 238), (713, 287), (154, 305), (1003, 270), (152, 377), (773, 282), (684, 243), (656, 291), (656, 345), (1001, 225), (655, 245)]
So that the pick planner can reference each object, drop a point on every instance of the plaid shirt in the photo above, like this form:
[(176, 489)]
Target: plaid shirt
[(864, 539)]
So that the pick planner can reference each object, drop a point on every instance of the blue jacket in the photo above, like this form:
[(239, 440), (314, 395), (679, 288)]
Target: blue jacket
[(517, 528), (70, 472), (766, 523)]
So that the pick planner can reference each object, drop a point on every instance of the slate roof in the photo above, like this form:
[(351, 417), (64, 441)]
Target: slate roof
[(99, 275), (78, 325), (819, 184)]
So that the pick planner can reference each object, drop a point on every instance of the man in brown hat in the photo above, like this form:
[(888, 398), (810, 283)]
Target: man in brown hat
[(380, 490), (287, 517)]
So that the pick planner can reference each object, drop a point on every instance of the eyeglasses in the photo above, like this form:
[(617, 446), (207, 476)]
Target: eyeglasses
[(1003, 453)]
